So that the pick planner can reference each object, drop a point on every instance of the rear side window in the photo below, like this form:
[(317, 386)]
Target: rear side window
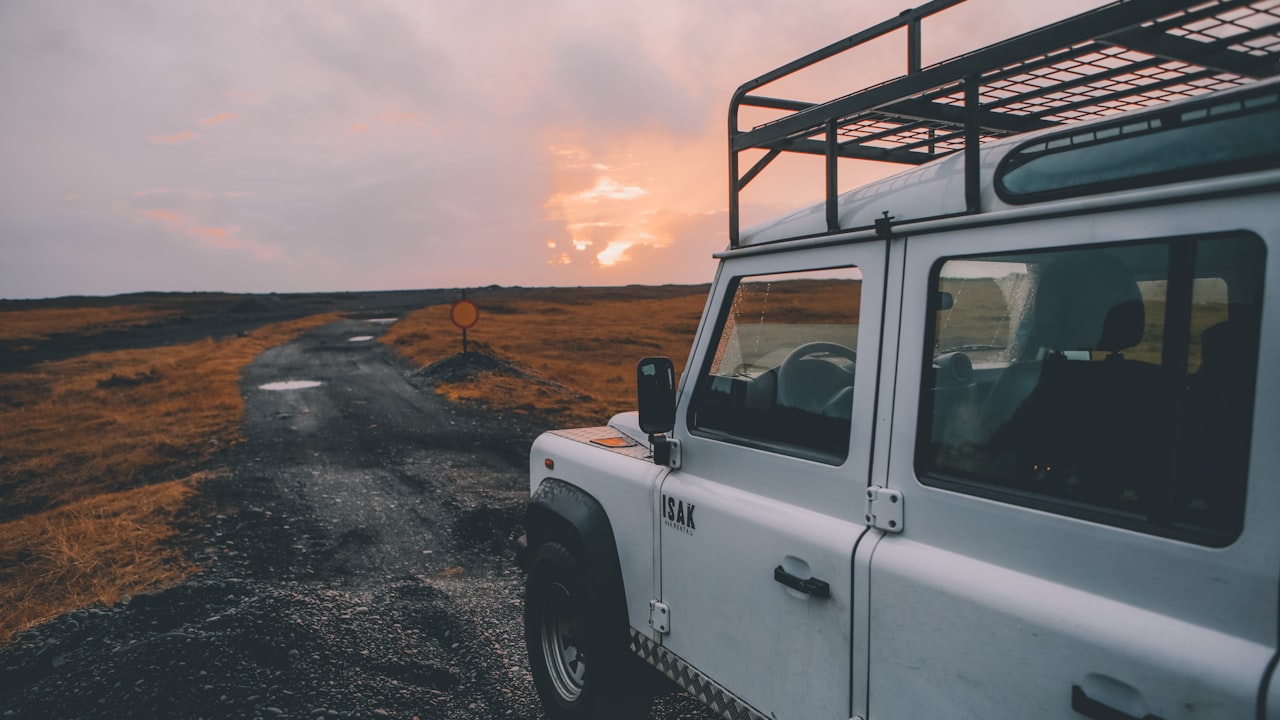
[(781, 377), (1112, 383), (1186, 142)]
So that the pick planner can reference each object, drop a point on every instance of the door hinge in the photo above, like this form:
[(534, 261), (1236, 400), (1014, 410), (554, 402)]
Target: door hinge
[(666, 451), (659, 616), (884, 509)]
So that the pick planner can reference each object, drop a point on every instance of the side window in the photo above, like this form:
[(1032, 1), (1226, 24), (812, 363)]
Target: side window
[(781, 376), (1115, 383)]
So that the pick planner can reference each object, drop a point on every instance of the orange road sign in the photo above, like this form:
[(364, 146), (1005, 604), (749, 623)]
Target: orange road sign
[(464, 314)]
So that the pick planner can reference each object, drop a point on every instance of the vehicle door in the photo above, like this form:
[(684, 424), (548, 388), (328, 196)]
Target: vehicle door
[(1087, 483), (759, 523)]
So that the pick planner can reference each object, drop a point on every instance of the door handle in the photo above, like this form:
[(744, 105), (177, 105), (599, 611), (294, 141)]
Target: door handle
[(1087, 706), (809, 586)]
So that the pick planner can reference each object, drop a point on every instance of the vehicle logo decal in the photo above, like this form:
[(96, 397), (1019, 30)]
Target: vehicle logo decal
[(677, 514)]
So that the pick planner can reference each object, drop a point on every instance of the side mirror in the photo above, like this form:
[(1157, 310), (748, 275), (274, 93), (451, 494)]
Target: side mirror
[(656, 395), (946, 300)]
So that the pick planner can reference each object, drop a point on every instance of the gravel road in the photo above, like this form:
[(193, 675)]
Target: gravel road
[(357, 564)]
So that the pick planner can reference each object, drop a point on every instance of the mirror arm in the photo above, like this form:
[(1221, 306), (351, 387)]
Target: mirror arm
[(666, 451)]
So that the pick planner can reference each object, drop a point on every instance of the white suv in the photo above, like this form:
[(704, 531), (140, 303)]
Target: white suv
[(986, 439)]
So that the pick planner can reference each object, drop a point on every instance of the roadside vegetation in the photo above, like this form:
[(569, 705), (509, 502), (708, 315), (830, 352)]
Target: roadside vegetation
[(98, 454), (572, 352), (30, 326)]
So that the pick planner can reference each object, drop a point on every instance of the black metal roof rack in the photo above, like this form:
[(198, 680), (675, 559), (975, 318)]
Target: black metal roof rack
[(1122, 56)]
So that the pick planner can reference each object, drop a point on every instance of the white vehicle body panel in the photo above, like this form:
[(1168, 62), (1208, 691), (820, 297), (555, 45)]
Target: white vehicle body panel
[(1069, 602), (625, 486)]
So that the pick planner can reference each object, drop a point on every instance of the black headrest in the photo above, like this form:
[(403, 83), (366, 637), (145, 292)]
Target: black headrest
[(1088, 300)]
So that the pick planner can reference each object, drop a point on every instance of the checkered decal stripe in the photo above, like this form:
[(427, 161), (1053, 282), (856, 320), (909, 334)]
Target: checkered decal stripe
[(706, 690)]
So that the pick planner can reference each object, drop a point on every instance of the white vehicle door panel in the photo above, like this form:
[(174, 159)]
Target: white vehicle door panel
[(988, 609), (784, 652)]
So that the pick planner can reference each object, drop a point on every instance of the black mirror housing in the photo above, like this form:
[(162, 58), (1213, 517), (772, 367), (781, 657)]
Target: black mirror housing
[(656, 395)]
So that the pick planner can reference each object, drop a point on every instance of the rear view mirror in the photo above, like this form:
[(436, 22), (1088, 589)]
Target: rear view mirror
[(656, 395)]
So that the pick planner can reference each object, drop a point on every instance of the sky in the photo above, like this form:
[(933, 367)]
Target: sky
[(301, 146)]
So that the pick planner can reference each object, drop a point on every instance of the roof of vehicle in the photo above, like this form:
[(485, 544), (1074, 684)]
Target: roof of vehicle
[(1104, 64)]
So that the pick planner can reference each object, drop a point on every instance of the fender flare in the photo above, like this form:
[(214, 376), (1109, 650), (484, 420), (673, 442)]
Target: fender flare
[(568, 514)]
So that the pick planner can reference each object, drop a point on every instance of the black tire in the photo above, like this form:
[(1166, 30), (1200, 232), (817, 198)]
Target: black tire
[(575, 660)]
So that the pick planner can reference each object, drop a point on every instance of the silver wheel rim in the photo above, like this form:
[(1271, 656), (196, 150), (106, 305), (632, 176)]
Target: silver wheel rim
[(561, 643)]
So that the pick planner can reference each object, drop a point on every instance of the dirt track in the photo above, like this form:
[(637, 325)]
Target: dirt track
[(357, 565)]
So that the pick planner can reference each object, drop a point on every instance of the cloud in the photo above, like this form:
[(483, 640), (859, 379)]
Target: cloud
[(183, 136), (605, 83), (220, 118), (606, 188), (225, 238), (674, 248)]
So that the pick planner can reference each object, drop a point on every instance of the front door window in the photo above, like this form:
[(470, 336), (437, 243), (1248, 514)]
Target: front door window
[(781, 376)]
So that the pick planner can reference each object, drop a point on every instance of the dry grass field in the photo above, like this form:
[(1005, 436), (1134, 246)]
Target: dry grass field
[(97, 455), (39, 323), (581, 345)]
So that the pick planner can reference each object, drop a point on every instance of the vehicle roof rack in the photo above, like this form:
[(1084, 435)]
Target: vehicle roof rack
[(1126, 55)]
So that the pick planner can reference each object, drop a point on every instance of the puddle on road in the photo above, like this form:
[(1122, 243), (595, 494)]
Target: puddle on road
[(360, 338), (291, 385)]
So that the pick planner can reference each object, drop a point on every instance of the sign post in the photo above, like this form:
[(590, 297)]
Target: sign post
[(464, 314)]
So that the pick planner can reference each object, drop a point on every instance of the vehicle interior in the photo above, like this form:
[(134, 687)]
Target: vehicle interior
[(1114, 381), (783, 373)]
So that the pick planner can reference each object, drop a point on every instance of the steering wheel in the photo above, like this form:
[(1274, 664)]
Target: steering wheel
[(813, 383)]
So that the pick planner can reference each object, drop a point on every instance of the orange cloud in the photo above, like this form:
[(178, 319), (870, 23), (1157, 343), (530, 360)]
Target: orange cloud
[(170, 217), (174, 139), (212, 235), (606, 188), (359, 128), (220, 118), (607, 218)]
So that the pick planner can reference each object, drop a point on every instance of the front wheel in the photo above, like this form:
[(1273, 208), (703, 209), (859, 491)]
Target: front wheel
[(574, 667)]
